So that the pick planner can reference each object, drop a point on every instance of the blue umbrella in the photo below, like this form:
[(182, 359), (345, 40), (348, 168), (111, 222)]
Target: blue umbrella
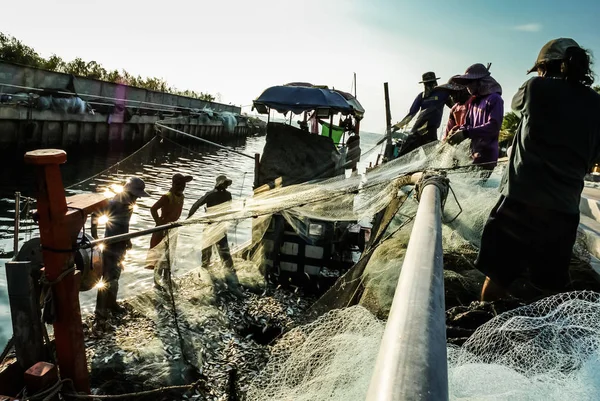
[(298, 99)]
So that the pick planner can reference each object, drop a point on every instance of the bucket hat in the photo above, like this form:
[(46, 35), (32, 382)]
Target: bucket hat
[(553, 50), (223, 180), (451, 85)]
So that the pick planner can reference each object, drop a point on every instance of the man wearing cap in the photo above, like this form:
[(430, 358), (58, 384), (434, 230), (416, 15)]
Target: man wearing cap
[(483, 119), (215, 197), (531, 231), (170, 206), (118, 212), (430, 106)]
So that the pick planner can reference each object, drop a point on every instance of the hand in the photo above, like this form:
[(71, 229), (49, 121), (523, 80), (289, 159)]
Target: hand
[(454, 138)]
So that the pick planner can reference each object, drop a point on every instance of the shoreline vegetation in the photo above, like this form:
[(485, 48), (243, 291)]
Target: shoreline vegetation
[(14, 51)]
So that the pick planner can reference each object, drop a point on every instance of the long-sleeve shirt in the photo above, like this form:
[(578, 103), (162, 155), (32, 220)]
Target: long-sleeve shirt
[(482, 124), (457, 117), (557, 142), (210, 199), (431, 108)]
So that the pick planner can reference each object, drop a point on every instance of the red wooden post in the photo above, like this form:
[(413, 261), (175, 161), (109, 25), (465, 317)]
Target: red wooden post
[(58, 233)]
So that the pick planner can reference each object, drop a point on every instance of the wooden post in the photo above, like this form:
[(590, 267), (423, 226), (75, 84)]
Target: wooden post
[(23, 295), (388, 122), (59, 227), (17, 223)]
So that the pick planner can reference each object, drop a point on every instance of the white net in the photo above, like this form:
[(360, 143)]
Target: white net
[(548, 350), (220, 316), (329, 359)]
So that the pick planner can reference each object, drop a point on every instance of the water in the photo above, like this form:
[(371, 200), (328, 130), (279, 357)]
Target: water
[(155, 163)]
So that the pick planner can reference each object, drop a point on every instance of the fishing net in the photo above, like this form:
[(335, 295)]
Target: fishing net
[(199, 303), (329, 359), (548, 350)]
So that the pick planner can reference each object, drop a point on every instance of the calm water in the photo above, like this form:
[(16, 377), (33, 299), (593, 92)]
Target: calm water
[(155, 163)]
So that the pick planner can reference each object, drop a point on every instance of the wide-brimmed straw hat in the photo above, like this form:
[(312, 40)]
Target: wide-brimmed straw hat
[(553, 50), (474, 72), (452, 86), (222, 180), (136, 186), (429, 77)]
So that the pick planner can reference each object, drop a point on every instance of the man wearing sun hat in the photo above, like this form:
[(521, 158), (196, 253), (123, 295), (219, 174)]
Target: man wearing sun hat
[(118, 212), (217, 196), (429, 105)]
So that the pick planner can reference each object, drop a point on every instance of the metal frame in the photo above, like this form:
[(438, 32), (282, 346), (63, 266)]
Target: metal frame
[(412, 361)]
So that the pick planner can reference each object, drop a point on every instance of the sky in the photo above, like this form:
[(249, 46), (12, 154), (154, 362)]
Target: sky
[(235, 49)]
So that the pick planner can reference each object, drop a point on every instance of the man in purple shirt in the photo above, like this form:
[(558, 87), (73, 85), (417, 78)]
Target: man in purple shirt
[(483, 119)]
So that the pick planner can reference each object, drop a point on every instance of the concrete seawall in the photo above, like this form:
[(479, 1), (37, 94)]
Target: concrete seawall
[(109, 112)]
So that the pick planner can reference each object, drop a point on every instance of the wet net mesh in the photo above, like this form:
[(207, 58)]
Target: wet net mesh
[(193, 316)]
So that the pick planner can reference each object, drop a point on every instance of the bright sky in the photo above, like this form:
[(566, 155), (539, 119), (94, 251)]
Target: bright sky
[(238, 48)]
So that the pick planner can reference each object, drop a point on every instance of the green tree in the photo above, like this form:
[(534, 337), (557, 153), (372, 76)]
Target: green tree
[(596, 88), (509, 127), (14, 51)]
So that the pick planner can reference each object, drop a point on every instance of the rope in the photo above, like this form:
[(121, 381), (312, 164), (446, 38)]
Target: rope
[(61, 276), (114, 165), (202, 140), (174, 306), (176, 108)]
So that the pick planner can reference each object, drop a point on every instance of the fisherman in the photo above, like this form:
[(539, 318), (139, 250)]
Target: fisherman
[(483, 119), (430, 103), (217, 196), (118, 212), (170, 206), (353, 154), (460, 97), (532, 229)]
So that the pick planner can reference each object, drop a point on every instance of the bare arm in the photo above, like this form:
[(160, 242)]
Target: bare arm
[(158, 205)]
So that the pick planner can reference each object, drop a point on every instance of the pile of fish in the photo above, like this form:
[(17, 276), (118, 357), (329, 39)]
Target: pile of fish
[(221, 340)]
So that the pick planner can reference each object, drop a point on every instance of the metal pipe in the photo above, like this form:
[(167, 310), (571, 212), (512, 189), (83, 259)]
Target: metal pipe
[(125, 237), (203, 140), (17, 223), (412, 363)]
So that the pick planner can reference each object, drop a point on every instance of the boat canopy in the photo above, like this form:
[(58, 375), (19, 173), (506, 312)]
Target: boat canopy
[(299, 97)]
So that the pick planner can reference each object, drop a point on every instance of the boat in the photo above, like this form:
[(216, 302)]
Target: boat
[(308, 252)]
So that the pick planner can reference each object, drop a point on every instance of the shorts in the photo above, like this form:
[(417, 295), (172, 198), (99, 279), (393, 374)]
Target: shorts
[(524, 241)]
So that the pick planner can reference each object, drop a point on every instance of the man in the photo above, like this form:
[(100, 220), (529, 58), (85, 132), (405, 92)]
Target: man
[(217, 196), (118, 212), (483, 119), (532, 229), (430, 106), (170, 206), (354, 151)]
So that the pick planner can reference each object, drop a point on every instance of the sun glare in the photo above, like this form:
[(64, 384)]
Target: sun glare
[(100, 284), (103, 219), (116, 188)]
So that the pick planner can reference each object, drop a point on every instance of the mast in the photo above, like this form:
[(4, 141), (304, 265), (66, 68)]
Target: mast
[(355, 85)]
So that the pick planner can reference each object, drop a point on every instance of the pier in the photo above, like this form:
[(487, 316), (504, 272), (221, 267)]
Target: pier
[(40, 108)]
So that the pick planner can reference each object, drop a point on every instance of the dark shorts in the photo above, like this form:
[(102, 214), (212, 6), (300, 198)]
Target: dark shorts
[(525, 241)]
